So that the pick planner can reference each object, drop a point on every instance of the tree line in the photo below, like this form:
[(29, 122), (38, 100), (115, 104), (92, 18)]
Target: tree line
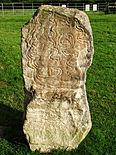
[(51, 1)]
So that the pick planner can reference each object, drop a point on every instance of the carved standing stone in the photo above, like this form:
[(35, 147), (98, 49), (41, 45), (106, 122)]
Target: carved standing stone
[(57, 49)]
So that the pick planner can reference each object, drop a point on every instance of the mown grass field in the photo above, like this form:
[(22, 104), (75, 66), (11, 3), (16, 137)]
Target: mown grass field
[(100, 89)]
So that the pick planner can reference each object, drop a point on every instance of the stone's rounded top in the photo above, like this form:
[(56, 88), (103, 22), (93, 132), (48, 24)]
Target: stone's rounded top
[(71, 13), (59, 9)]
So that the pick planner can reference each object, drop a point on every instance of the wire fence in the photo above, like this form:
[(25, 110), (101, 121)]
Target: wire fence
[(29, 8)]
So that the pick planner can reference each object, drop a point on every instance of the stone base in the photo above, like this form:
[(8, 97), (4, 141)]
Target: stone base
[(56, 125)]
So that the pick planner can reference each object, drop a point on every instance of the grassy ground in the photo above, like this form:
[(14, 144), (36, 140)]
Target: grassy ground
[(17, 12), (100, 88)]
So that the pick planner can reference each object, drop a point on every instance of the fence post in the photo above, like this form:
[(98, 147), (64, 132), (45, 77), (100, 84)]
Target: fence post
[(13, 8), (83, 6), (76, 5), (98, 6), (23, 8), (32, 8), (2, 9), (67, 5)]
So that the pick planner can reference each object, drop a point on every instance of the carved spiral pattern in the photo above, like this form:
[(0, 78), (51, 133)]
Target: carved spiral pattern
[(53, 47)]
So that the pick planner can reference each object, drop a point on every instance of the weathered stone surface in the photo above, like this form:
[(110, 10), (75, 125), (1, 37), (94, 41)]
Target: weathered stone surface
[(57, 49)]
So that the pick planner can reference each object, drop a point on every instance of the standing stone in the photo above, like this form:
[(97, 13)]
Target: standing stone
[(57, 49)]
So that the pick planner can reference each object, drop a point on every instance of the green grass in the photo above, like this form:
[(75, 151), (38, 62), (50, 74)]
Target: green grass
[(100, 89), (16, 12)]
